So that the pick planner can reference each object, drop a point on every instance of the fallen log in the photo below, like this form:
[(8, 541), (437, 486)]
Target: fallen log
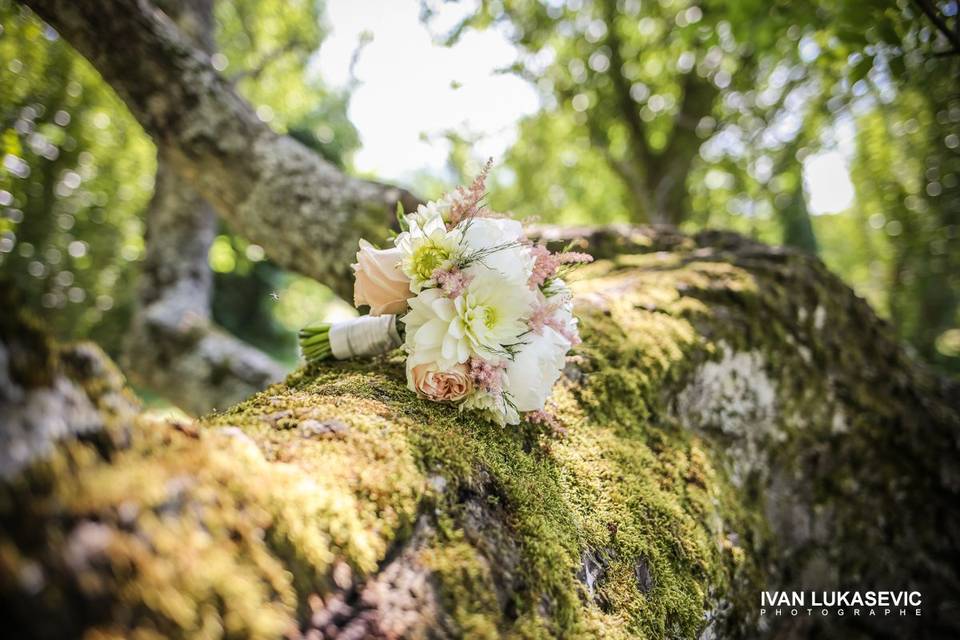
[(735, 421)]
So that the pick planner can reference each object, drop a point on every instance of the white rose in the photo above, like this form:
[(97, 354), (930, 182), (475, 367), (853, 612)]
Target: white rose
[(513, 263), (535, 369)]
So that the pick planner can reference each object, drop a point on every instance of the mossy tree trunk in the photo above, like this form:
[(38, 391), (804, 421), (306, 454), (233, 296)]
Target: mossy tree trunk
[(735, 420)]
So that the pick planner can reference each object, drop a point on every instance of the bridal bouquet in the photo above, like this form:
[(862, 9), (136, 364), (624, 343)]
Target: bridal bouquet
[(482, 313)]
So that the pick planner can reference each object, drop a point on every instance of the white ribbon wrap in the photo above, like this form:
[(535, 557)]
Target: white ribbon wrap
[(364, 336)]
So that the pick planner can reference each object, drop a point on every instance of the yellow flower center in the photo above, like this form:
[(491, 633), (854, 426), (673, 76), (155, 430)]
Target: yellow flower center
[(489, 317), (427, 258)]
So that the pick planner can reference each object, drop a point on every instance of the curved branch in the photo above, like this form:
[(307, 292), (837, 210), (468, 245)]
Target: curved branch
[(271, 189), (940, 23)]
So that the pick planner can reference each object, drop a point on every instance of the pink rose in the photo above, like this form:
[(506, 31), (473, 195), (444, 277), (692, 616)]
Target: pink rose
[(379, 281), (451, 385)]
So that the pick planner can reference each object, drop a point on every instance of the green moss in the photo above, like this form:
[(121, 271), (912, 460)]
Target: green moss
[(236, 522), (466, 587), (279, 509)]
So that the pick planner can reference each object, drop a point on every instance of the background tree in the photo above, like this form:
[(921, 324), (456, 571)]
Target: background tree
[(634, 89), (734, 97)]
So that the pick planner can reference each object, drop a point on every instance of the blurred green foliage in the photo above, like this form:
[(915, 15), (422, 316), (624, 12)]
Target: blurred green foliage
[(702, 113), (78, 171), (699, 113)]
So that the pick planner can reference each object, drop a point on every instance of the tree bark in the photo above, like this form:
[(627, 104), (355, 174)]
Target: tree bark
[(268, 187), (173, 347), (735, 420)]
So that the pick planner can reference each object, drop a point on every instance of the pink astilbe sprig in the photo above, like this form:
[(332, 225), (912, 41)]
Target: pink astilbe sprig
[(487, 375), (546, 264), (465, 202), (452, 282), (545, 316)]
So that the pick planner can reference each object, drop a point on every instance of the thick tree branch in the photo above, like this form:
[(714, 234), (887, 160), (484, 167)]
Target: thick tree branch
[(173, 346), (270, 188), (737, 421)]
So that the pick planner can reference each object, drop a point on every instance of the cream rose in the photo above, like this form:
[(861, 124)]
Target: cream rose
[(451, 385), (535, 368), (379, 281)]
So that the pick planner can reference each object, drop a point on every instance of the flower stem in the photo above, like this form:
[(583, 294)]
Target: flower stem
[(315, 342)]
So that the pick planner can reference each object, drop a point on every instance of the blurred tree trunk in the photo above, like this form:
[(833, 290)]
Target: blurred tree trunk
[(735, 420), (656, 179), (794, 216), (796, 224), (173, 347)]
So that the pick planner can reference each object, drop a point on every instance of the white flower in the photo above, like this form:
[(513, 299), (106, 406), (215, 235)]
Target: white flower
[(434, 331), (495, 405), (558, 294), (493, 313), (558, 287), (426, 213), (535, 368), (499, 242), (426, 249)]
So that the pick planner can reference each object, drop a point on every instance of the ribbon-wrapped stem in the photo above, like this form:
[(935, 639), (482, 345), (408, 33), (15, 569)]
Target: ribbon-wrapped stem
[(356, 338)]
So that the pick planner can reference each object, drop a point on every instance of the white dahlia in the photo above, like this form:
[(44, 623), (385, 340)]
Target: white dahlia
[(493, 313), (434, 331), (426, 249)]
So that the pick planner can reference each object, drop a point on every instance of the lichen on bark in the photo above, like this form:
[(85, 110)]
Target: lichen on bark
[(337, 504)]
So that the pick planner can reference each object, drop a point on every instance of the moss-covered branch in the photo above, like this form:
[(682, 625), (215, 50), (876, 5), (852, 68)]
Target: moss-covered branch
[(735, 420)]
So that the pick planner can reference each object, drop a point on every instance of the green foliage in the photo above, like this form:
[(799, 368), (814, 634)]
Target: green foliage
[(78, 170), (716, 105), (266, 49), (907, 170), (573, 184)]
